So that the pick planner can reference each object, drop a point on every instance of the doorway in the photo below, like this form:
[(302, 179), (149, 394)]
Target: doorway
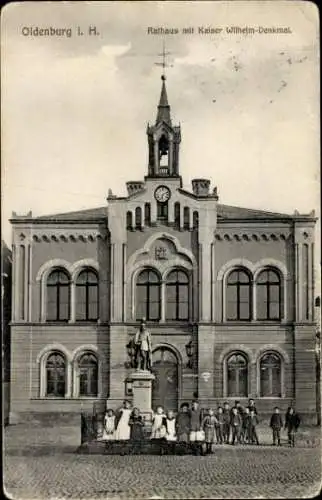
[(165, 386)]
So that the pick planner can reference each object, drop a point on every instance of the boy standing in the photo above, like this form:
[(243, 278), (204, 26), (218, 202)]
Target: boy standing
[(276, 424), (246, 426), (253, 422), (236, 423), (220, 426), (226, 426), (195, 426), (292, 422)]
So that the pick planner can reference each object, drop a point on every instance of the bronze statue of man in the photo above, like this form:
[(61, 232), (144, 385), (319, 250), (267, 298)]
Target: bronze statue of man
[(143, 348)]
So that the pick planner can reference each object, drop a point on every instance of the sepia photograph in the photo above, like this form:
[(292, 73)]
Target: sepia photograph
[(160, 250)]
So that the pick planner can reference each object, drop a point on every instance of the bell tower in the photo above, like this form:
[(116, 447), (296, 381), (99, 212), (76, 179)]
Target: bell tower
[(163, 140)]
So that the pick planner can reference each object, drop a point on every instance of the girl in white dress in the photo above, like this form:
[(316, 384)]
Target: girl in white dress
[(159, 424), (123, 429), (109, 425), (171, 426)]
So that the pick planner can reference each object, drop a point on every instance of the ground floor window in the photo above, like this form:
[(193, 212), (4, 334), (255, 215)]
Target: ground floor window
[(270, 375), (56, 375), (88, 375), (237, 375)]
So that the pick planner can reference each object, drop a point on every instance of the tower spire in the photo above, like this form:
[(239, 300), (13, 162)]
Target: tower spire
[(163, 107)]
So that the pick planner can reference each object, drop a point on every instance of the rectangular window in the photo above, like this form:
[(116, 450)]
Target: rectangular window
[(305, 281), (64, 303), (231, 312), (154, 306), (51, 303), (80, 303), (92, 303), (183, 310), (265, 382), (22, 281), (261, 293), (141, 299)]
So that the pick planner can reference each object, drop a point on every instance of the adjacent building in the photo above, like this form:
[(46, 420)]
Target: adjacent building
[(227, 292)]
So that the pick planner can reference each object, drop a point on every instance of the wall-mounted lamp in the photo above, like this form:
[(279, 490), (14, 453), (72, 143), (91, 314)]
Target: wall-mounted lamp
[(190, 354)]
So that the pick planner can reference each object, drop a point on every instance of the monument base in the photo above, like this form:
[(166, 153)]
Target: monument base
[(142, 392)]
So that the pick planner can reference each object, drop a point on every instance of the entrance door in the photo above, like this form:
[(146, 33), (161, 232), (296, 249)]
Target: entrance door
[(165, 384)]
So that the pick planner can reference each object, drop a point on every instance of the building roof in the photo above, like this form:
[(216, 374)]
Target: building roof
[(81, 215), (225, 212), (229, 212)]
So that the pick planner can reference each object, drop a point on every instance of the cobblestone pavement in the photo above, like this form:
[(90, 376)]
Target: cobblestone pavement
[(43, 471)]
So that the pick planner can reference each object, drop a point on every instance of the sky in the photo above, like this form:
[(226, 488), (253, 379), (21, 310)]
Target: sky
[(75, 109)]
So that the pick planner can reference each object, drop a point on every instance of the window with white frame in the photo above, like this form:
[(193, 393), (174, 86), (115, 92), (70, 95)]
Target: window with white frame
[(87, 296), (148, 295), (237, 375), (268, 294), (58, 295), (88, 375), (177, 296), (238, 296), (270, 375), (56, 371)]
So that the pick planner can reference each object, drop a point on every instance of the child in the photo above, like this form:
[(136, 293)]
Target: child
[(246, 426), (183, 423), (171, 426), (226, 428), (292, 422), (220, 426), (123, 429), (109, 425), (253, 422), (195, 422), (276, 424), (159, 424), (208, 425), (136, 424), (236, 423)]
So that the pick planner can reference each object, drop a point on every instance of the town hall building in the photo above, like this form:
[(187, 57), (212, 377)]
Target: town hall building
[(227, 294)]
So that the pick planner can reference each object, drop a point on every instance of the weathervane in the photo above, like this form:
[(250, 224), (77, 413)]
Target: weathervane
[(164, 64)]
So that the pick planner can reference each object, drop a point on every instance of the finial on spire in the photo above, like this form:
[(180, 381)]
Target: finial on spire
[(164, 64)]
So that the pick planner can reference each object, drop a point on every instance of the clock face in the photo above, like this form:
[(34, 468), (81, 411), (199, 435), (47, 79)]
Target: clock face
[(162, 194)]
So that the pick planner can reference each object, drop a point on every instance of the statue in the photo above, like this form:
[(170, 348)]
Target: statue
[(142, 348)]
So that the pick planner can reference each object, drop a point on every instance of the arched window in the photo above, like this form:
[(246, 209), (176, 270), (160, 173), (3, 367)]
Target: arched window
[(186, 217), (88, 375), (138, 218), (147, 214), (58, 296), (237, 375), (177, 214), (87, 296), (177, 296), (238, 296), (148, 300), (56, 375), (268, 290), (129, 220), (270, 375), (195, 219)]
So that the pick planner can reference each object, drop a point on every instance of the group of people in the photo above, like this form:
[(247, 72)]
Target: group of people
[(228, 425)]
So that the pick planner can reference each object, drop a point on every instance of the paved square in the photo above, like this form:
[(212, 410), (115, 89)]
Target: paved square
[(42, 463)]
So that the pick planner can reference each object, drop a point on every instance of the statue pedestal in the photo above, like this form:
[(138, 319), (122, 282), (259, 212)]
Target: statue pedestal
[(142, 392)]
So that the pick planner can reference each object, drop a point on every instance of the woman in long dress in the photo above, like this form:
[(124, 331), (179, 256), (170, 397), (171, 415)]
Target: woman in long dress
[(123, 429)]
